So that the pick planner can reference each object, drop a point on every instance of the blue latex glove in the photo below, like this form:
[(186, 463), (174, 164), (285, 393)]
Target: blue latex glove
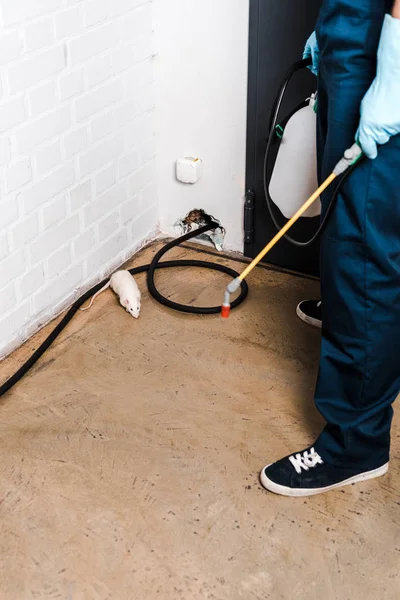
[(311, 50), (380, 109)]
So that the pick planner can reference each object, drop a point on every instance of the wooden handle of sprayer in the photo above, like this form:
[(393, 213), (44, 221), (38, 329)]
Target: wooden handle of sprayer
[(288, 225)]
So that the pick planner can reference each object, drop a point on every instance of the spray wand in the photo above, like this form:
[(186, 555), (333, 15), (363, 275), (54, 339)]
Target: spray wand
[(351, 156)]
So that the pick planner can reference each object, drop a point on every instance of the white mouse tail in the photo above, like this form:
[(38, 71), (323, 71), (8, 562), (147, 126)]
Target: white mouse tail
[(107, 285)]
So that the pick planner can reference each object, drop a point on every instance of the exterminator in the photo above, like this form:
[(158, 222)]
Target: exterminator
[(356, 52)]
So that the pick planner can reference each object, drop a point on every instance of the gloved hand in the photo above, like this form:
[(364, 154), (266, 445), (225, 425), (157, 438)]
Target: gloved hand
[(380, 109), (311, 50)]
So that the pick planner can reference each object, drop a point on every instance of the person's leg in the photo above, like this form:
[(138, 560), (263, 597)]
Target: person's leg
[(359, 375)]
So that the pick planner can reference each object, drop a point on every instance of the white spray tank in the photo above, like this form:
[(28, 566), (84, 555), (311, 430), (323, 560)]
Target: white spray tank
[(294, 176)]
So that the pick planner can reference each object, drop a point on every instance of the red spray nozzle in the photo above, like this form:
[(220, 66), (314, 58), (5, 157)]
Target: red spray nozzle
[(225, 311), (231, 289)]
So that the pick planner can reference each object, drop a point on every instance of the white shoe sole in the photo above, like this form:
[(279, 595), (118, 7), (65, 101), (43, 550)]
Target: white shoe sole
[(309, 320), (298, 492)]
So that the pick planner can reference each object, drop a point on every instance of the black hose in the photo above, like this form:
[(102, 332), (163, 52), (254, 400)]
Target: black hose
[(151, 269), (272, 138)]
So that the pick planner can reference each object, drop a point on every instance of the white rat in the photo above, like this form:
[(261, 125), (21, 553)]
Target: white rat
[(124, 285)]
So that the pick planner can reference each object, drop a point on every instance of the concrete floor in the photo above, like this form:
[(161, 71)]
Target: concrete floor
[(130, 459)]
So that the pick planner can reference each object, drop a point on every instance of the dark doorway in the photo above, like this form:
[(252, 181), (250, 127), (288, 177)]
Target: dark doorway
[(278, 32)]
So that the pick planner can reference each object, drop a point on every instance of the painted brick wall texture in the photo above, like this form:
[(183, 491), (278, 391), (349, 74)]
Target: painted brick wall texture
[(77, 151)]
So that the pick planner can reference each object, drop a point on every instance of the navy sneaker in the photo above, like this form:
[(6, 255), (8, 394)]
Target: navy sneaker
[(306, 474), (310, 311)]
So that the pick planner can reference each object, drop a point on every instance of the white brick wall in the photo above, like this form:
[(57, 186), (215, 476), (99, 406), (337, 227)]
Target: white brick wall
[(77, 179)]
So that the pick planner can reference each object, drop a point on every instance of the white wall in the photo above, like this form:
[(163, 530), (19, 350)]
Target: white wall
[(201, 91), (79, 189), (77, 150)]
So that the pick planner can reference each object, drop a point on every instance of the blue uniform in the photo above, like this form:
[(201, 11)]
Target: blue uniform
[(359, 376)]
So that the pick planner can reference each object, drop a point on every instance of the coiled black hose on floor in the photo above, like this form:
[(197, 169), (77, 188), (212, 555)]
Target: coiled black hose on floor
[(151, 271)]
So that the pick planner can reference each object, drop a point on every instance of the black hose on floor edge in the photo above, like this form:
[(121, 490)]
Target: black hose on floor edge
[(151, 269)]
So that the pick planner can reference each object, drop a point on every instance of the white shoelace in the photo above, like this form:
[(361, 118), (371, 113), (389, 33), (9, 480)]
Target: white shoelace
[(309, 460), (319, 303)]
